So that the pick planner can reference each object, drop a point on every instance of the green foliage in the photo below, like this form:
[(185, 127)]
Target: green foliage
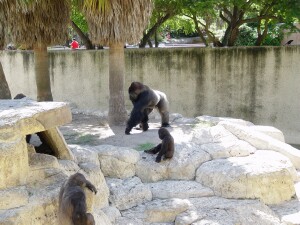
[(80, 138), (247, 36), (145, 146), (78, 18), (274, 37), (180, 26)]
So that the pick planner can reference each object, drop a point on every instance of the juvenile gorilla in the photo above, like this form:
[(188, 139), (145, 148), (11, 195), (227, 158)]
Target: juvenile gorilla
[(72, 201), (144, 100), (165, 148)]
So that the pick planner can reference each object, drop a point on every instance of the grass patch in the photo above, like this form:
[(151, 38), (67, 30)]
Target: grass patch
[(84, 139), (145, 146)]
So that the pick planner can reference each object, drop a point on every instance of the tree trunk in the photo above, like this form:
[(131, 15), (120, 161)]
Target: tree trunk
[(199, 31), (261, 36), (4, 89), (150, 44), (117, 114), (233, 36), (42, 76), (156, 40), (153, 29), (226, 36), (87, 42)]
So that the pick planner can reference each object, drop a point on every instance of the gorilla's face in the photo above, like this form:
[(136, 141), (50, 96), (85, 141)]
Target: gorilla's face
[(134, 90)]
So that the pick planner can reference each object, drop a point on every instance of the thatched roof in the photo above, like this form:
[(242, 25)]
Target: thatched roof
[(39, 22), (5, 7), (121, 21)]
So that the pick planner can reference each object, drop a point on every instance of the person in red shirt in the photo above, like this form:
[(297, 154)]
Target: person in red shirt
[(74, 44)]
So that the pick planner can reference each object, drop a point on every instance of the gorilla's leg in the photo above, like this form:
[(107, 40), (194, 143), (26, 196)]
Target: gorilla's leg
[(161, 153), (144, 123), (154, 150), (163, 109)]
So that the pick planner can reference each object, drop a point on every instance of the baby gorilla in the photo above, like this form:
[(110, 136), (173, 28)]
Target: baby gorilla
[(165, 148), (72, 201)]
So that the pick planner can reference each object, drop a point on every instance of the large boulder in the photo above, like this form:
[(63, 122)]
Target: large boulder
[(42, 204), (125, 194), (178, 189), (14, 166), (263, 141), (117, 162), (150, 171), (266, 175), (112, 213), (13, 197), (215, 210), (84, 154), (215, 134), (187, 158), (270, 131), (227, 149), (212, 121), (156, 211)]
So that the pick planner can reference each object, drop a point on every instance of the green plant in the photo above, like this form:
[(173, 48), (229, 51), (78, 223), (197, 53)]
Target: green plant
[(274, 37), (84, 138), (142, 147), (247, 36)]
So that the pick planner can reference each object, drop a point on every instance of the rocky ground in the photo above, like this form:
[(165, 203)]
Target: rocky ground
[(224, 171), (170, 192)]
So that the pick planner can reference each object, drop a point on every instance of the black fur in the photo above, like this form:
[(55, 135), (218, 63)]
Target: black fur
[(165, 148), (144, 100)]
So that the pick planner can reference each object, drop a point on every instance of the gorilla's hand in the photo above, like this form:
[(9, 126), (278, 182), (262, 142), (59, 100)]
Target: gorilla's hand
[(91, 187), (127, 130)]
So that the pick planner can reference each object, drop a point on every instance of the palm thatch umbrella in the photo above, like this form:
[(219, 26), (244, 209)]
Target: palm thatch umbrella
[(114, 23), (40, 23), (4, 8)]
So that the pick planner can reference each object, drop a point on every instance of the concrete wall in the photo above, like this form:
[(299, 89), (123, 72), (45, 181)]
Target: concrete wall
[(257, 84)]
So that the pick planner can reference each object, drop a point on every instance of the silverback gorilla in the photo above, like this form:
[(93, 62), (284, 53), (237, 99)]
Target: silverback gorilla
[(72, 201), (165, 148), (144, 100)]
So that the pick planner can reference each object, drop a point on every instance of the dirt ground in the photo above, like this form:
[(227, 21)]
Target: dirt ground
[(94, 130), (86, 129)]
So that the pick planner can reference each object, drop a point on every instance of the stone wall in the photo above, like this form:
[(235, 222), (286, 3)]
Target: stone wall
[(258, 84)]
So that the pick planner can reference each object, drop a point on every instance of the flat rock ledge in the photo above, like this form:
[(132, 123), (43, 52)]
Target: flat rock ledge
[(225, 171)]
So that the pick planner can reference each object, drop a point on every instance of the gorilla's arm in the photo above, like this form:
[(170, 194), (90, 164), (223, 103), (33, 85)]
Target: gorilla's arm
[(138, 112), (91, 187)]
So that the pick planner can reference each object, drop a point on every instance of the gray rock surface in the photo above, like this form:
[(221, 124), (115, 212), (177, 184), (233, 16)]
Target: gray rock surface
[(128, 193), (254, 176)]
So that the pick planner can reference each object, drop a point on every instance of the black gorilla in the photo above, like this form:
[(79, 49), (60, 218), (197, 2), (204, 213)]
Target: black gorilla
[(165, 148), (144, 100), (72, 201)]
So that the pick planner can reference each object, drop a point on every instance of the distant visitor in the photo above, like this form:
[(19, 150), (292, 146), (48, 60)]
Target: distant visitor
[(74, 44)]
